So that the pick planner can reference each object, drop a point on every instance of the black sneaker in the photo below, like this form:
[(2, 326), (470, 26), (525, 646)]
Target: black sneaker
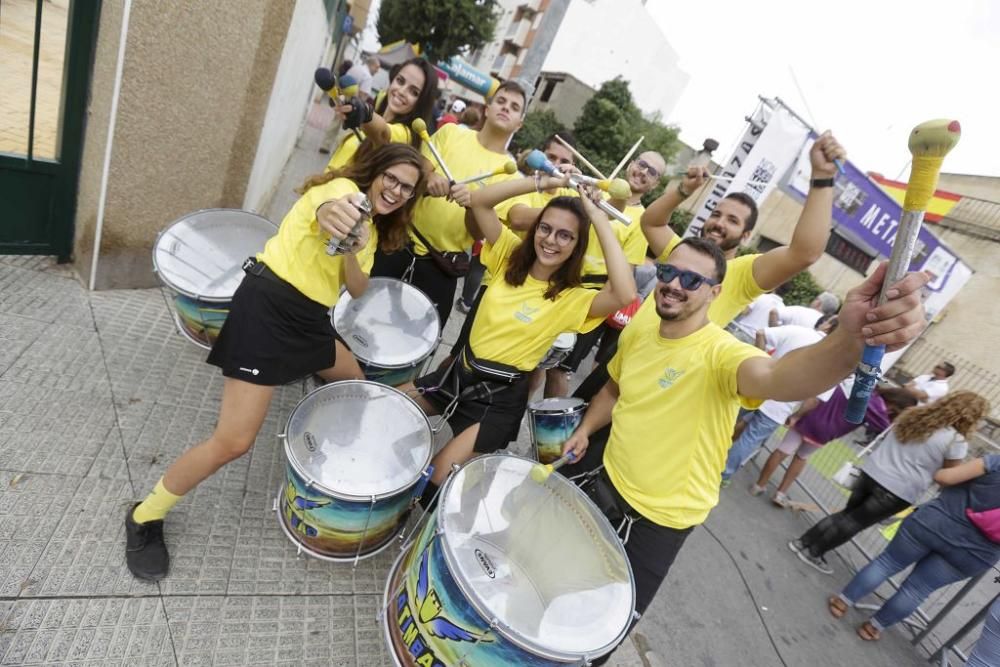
[(145, 551)]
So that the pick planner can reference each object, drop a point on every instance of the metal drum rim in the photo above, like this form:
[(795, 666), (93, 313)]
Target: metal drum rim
[(485, 613), (166, 281), (339, 495), (582, 405), (392, 367)]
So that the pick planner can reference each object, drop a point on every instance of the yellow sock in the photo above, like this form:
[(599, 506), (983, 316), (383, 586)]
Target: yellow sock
[(156, 505)]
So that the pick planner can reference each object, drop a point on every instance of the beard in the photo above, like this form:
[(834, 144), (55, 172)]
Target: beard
[(682, 310), (725, 244)]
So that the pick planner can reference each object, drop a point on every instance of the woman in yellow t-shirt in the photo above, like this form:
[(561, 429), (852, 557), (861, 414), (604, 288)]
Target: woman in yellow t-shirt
[(413, 88), (279, 329), (535, 295)]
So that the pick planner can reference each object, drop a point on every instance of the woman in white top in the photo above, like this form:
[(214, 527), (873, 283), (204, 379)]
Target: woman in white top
[(923, 440)]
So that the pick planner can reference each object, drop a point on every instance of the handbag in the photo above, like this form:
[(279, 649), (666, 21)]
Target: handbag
[(987, 521), (849, 472), (452, 263)]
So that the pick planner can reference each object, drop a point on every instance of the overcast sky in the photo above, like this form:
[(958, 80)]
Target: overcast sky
[(868, 70)]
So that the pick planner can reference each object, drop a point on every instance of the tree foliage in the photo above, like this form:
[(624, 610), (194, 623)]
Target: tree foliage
[(442, 28), (800, 290), (611, 122), (679, 220), (538, 125)]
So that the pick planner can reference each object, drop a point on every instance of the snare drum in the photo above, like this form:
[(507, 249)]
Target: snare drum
[(357, 454), (551, 421), (199, 258), (508, 571), (560, 350), (391, 329)]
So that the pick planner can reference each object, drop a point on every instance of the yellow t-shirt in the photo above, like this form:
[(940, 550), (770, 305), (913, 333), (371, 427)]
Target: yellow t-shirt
[(635, 244), (440, 221), (739, 289), (297, 253), (517, 325), (398, 134), (672, 425)]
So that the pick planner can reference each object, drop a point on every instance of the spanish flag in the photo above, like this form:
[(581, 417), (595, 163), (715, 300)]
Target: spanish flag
[(937, 208)]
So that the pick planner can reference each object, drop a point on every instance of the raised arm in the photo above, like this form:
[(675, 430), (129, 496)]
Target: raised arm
[(484, 223), (620, 290), (656, 218), (813, 228), (810, 370)]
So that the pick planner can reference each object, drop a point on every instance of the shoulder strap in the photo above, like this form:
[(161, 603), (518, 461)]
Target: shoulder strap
[(871, 445), (431, 249)]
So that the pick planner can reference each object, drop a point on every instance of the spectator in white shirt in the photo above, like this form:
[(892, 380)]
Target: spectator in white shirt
[(824, 304), (755, 317), (930, 387)]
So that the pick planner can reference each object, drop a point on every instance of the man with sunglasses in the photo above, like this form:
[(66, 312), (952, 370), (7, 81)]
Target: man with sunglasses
[(675, 389), (729, 225)]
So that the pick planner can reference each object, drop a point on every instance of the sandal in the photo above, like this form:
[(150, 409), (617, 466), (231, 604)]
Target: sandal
[(836, 606), (868, 632)]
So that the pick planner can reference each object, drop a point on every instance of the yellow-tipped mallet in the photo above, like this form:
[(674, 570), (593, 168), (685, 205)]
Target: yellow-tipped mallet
[(540, 472), (420, 127), (507, 167)]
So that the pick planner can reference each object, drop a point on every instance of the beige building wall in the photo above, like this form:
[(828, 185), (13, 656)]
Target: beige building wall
[(195, 87)]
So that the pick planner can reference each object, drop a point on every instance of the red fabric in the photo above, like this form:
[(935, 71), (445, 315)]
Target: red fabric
[(447, 118), (619, 319)]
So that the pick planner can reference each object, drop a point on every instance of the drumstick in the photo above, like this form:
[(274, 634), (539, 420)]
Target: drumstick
[(929, 143), (580, 157), (420, 127), (626, 158), (508, 167), (540, 472)]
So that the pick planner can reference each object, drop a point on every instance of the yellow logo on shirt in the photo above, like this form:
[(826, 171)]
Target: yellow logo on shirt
[(670, 376), (526, 312)]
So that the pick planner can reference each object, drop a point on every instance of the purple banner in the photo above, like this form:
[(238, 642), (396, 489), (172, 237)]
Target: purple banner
[(867, 216)]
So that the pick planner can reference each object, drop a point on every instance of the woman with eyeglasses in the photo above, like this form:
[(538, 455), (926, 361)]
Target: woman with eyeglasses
[(413, 87), (535, 295), (278, 328)]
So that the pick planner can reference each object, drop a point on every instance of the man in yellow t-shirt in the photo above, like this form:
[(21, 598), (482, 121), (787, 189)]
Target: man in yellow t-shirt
[(440, 217), (731, 224), (675, 390)]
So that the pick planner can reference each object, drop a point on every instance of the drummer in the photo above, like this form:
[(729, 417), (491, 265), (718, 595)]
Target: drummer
[(535, 295), (278, 329), (413, 87)]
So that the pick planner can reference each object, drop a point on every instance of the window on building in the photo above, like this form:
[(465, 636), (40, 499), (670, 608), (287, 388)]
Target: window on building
[(550, 85), (848, 253)]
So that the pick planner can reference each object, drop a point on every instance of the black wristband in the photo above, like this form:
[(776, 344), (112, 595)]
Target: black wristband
[(821, 183)]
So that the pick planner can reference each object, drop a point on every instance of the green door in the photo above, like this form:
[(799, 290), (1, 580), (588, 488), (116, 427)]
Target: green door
[(46, 54)]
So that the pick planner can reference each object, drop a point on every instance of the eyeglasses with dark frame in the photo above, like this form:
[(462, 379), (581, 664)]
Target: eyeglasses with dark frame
[(648, 168), (563, 237), (690, 280), (390, 182)]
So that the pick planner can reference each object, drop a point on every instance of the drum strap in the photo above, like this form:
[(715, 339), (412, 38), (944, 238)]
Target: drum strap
[(599, 487)]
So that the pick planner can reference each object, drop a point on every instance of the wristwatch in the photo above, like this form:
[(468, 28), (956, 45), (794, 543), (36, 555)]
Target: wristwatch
[(821, 183)]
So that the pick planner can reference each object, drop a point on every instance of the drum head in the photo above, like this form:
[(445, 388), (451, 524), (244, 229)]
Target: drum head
[(556, 404), (392, 325), (201, 255), (540, 558), (358, 439)]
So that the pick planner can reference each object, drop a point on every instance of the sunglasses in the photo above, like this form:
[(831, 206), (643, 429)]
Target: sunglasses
[(689, 279), (648, 168)]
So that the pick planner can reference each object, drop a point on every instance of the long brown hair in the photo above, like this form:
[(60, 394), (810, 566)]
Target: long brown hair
[(391, 228), (569, 273), (961, 410)]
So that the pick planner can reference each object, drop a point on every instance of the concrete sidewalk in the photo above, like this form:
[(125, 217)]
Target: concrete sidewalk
[(99, 393)]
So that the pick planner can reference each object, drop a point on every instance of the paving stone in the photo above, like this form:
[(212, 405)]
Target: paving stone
[(107, 631), (44, 297), (63, 357), (16, 335), (47, 430), (85, 555), (269, 630), (39, 264), (31, 506)]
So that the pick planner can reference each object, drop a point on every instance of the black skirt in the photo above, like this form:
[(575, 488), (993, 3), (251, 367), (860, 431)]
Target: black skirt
[(273, 334), (499, 414)]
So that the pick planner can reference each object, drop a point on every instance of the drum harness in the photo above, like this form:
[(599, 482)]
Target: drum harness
[(495, 378), (599, 488)]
